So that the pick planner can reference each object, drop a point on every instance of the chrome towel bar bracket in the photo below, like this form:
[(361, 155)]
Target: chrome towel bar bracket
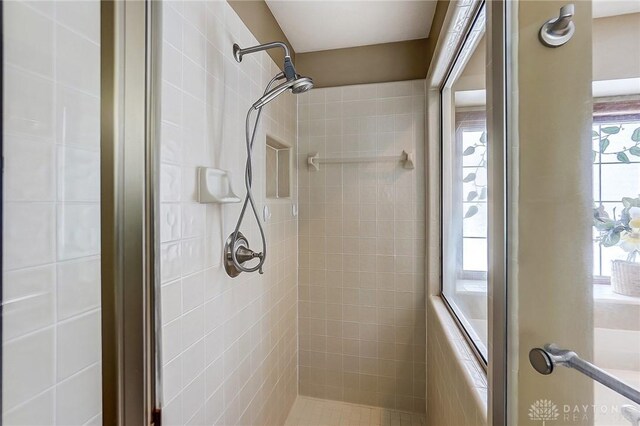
[(544, 361), (557, 31)]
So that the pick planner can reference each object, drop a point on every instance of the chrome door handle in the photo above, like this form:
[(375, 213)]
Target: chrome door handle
[(544, 361), (557, 31)]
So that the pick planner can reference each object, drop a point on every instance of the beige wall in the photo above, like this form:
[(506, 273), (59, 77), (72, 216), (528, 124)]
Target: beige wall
[(473, 77), (229, 346), (616, 51), (257, 17), (361, 308), (404, 60)]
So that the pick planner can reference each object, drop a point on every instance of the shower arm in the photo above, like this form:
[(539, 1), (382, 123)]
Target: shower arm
[(238, 53), (288, 68)]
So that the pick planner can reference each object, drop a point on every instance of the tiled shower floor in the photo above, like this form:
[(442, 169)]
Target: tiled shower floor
[(316, 412)]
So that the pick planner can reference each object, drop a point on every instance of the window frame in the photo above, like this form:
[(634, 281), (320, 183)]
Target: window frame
[(609, 109), (472, 120), (477, 347)]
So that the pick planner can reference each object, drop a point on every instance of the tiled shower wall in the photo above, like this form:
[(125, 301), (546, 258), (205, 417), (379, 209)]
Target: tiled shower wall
[(229, 346), (457, 386), (51, 371), (362, 244)]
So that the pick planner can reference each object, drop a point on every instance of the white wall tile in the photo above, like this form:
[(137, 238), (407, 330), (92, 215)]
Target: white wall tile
[(78, 287), (32, 367), (171, 299), (78, 174), (29, 169), (78, 344), (194, 43), (170, 183), (192, 291), (170, 262), (171, 108), (170, 223), (203, 125), (78, 61), (73, 14), (76, 398), (37, 411), (51, 132), (28, 39), (30, 111), (30, 240), (78, 230), (28, 300), (193, 220), (77, 118)]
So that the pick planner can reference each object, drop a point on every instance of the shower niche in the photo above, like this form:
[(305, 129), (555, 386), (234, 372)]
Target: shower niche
[(278, 169)]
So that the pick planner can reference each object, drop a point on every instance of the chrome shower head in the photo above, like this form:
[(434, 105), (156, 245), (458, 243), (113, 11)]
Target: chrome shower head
[(295, 83), (299, 85)]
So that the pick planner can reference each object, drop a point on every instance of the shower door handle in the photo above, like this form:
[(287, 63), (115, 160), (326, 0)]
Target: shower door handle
[(544, 361), (557, 31)]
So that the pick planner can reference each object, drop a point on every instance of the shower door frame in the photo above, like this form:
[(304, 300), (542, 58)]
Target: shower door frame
[(499, 85), (498, 15), (1, 198), (130, 106)]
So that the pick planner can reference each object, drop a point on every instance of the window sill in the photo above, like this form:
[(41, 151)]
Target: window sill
[(473, 372), (602, 293)]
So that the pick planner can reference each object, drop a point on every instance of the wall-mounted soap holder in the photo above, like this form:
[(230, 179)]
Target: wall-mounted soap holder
[(214, 186)]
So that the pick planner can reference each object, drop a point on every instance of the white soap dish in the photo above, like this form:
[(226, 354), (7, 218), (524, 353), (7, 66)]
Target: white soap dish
[(214, 186)]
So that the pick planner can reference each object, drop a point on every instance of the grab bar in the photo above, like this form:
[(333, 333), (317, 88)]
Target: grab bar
[(544, 360), (406, 158)]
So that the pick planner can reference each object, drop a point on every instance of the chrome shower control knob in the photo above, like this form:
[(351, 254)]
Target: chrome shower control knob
[(242, 253)]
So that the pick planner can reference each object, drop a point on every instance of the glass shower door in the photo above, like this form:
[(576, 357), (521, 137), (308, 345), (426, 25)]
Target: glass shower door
[(573, 166), (51, 308)]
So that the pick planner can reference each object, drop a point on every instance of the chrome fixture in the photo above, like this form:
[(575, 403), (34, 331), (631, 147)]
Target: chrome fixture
[(236, 249), (544, 361), (557, 31), (240, 249), (296, 86), (632, 414)]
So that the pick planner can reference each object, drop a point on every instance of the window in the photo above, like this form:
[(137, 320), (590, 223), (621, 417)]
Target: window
[(464, 189), (616, 169), (471, 144)]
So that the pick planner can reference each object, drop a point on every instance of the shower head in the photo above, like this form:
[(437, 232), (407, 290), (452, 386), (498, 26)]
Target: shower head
[(301, 85), (296, 86), (294, 82)]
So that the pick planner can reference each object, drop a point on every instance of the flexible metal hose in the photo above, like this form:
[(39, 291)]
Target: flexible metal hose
[(250, 137)]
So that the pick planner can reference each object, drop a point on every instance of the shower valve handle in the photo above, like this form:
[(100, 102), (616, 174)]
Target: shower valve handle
[(244, 254), (237, 246)]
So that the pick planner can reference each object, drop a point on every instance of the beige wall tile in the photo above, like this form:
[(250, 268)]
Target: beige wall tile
[(361, 224)]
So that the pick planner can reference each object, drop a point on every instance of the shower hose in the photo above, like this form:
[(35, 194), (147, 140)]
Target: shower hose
[(250, 137)]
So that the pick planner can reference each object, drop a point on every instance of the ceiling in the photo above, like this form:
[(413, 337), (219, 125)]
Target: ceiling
[(312, 25)]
